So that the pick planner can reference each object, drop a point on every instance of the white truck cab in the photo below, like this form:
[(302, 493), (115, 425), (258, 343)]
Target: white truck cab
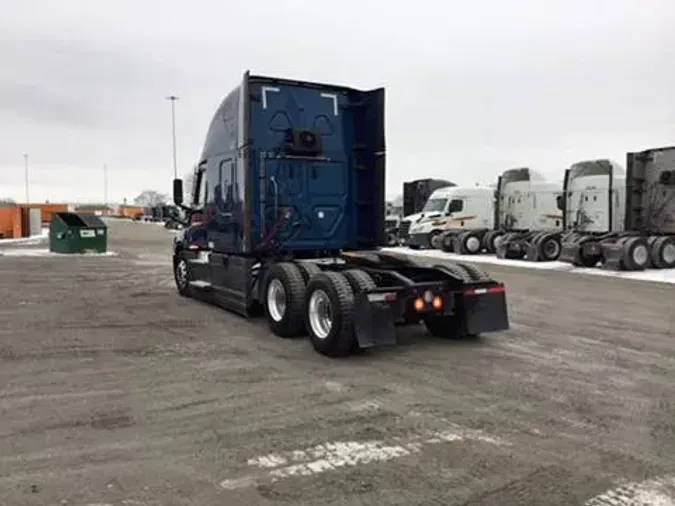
[(453, 208), (530, 205), (596, 202)]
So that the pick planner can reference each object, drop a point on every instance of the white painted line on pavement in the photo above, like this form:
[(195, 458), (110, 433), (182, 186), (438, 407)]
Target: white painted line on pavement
[(339, 454)]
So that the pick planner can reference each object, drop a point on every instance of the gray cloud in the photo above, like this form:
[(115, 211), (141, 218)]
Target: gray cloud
[(473, 87)]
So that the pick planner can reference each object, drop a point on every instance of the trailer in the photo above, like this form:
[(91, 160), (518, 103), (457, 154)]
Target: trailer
[(416, 196), (287, 220), (621, 219), (528, 217), (451, 211)]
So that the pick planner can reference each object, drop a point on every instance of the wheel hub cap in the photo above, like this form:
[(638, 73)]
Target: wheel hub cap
[(640, 255), (276, 300), (320, 314), (668, 254), (551, 249), (473, 244)]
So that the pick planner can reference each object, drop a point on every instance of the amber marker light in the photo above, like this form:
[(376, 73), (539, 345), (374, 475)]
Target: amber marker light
[(419, 304)]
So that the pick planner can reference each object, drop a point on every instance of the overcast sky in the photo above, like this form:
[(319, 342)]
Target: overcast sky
[(473, 87)]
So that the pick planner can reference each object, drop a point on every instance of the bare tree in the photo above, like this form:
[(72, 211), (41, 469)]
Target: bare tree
[(151, 198)]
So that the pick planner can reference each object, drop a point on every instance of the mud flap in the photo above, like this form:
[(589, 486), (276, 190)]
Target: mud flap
[(485, 310), (512, 249), (532, 252), (612, 254), (373, 322)]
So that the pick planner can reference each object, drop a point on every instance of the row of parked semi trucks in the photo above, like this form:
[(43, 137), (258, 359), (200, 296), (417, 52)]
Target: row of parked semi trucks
[(600, 214)]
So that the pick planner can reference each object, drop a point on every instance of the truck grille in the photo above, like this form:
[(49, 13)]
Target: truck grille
[(404, 230)]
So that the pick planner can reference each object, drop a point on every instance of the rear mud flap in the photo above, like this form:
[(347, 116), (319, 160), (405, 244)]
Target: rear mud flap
[(532, 252), (514, 249), (569, 253), (485, 310), (373, 322), (613, 254)]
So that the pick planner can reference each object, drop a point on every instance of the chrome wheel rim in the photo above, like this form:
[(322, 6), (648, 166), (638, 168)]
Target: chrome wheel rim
[(473, 244), (276, 300), (320, 314), (181, 274), (640, 254), (668, 253)]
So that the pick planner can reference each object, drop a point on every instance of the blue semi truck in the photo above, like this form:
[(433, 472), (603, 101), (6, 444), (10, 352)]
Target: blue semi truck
[(286, 220)]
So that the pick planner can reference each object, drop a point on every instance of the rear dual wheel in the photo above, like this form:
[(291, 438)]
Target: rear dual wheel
[(301, 298), (330, 310), (284, 299)]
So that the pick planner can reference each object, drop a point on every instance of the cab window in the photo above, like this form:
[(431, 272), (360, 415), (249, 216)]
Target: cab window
[(455, 206)]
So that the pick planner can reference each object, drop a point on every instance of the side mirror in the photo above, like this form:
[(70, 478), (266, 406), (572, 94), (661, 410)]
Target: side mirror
[(178, 192), (560, 202)]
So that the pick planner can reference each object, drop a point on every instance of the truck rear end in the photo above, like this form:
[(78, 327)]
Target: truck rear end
[(317, 182), (295, 219)]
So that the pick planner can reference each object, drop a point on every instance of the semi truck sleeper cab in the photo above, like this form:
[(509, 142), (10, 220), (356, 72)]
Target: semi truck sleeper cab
[(287, 219)]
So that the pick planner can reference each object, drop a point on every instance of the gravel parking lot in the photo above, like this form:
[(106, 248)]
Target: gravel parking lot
[(116, 391)]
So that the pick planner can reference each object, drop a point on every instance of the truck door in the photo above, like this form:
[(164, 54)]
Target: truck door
[(224, 228)]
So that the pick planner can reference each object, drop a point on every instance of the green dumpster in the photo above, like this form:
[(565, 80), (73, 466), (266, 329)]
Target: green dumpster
[(77, 233)]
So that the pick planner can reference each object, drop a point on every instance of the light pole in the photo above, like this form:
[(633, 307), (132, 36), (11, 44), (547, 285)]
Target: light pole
[(105, 187), (25, 172), (173, 99)]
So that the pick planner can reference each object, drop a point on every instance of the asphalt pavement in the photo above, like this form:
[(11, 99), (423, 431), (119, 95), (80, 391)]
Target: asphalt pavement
[(116, 391)]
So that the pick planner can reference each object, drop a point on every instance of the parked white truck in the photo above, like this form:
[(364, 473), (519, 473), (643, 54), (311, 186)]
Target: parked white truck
[(529, 217), (517, 217), (622, 219), (452, 210)]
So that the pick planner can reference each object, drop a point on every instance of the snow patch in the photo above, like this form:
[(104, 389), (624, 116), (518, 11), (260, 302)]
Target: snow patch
[(656, 492), (43, 252), (34, 239), (653, 275)]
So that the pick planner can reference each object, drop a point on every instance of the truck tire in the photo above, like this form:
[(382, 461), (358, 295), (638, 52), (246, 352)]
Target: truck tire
[(447, 243), (359, 280), (285, 299), (455, 271), (475, 273), (329, 314), (181, 275), (307, 270), (663, 252), (436, 241), (635, 253), (470, 243), (549, 247), (430, 238), (490, 241)]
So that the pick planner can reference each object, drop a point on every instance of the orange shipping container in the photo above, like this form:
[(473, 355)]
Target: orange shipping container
[(10, 222), (46, 210)]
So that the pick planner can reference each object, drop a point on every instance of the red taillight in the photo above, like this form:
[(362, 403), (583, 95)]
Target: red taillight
[(472, 292), (196, 219)]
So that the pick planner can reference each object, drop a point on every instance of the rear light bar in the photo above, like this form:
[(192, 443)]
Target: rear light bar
[(472, 292)]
